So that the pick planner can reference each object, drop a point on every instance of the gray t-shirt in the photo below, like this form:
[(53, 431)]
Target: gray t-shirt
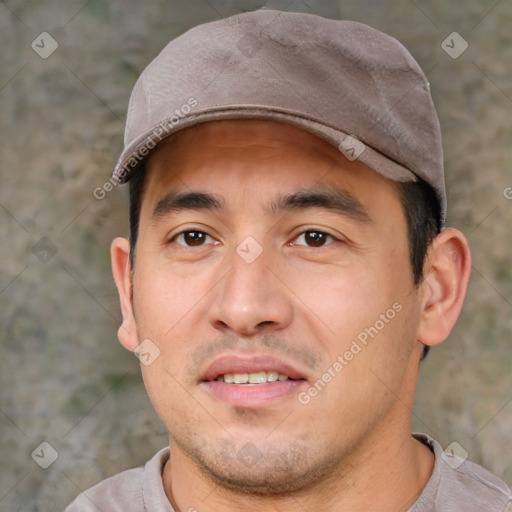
[(456, 485)]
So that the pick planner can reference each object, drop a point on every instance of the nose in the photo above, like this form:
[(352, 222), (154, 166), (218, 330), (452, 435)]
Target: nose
[(250, 299)]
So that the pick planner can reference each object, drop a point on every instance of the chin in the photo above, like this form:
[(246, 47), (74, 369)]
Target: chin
[(266, 471)]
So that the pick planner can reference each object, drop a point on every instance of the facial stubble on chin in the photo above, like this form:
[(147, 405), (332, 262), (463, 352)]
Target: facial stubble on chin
[(273, 472)]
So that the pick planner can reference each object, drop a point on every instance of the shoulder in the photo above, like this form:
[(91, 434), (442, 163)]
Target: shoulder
[(458, 485), (113, 494), (124, 492), (472, 485)]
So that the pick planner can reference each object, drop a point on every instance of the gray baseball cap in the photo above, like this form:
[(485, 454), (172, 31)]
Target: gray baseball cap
[(347, 83)]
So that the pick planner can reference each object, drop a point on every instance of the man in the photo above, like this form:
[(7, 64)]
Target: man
[(287, 269)]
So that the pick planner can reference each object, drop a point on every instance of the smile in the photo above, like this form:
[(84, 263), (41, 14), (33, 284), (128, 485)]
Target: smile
[(251, 381)]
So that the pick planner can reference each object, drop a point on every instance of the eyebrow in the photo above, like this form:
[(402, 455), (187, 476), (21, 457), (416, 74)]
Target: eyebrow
[(179, 201), (336, 200)]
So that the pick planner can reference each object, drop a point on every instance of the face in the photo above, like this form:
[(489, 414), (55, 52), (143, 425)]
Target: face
[(273, 276)]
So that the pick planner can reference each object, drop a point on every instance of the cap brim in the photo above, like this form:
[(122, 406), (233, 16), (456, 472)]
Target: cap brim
[(134, 156)]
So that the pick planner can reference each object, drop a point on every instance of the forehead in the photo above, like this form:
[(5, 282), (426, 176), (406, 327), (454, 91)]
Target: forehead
[(240, 158)]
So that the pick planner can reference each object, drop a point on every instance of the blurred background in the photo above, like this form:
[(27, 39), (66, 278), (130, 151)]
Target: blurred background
[(66, 73)]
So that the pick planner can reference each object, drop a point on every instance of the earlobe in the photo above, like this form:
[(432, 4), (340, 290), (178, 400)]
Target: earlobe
[(444, 286), (121, 270)]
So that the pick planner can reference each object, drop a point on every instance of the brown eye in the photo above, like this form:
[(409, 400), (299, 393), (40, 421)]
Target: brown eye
[(191, 238), (314, 239)]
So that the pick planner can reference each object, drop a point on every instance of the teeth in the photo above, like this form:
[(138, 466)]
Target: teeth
[(272, 376), (241, 378), (252, 378), (258, 378)]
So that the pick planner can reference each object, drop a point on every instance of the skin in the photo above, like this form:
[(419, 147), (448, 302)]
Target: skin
[(302, 304)]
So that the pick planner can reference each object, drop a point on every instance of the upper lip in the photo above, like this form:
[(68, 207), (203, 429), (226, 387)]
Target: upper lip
[(249, 363)]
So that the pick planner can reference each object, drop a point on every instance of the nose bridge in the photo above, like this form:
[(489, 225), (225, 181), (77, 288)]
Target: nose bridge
[(248, 274), (250, 296)]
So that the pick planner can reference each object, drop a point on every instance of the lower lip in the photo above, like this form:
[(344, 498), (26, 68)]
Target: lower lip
[(255, 396)]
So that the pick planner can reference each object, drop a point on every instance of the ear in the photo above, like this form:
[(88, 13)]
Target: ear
[(121, 269), (446, 271)]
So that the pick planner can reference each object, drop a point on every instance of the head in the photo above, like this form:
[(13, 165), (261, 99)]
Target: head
[(261, 247)]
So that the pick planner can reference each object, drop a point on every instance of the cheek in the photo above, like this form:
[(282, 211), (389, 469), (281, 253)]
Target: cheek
[(364, 314), (340, 302), (163, 299), (167, 307)]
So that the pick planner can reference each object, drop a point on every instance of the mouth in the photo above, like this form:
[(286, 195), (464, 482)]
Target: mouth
[(251, 381)]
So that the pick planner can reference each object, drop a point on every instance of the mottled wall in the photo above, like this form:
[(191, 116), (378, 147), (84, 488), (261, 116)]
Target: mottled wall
[(64, 378)]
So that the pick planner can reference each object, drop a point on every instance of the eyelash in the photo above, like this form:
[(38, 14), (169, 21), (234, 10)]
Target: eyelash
[(302, 233)]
